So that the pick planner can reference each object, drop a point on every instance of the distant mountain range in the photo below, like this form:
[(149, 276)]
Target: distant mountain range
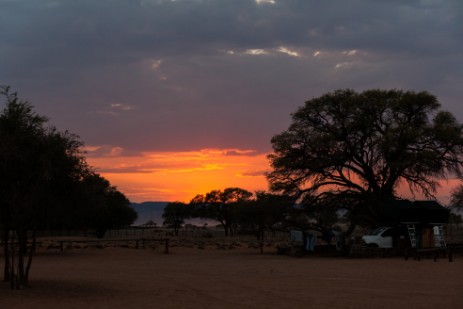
[(152, 211), (149, 211)]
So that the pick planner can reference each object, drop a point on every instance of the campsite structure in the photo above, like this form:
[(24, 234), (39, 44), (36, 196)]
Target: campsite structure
[(409, 226), (423, 222)]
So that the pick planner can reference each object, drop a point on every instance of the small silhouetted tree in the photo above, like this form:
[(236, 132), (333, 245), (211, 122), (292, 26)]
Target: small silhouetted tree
[(267, 212), (221, 206), (102, 206), (175, 214), (320, 213)]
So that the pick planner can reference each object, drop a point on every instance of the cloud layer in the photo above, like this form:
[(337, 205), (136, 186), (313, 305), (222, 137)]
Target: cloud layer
[(185, 75)]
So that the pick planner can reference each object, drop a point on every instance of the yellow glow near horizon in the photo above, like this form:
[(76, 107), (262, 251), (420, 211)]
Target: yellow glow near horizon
[(179, 176)]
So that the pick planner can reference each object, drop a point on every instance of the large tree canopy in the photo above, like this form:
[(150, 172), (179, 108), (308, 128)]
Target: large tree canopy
[(37, 164), (46, 183), (366, 144)]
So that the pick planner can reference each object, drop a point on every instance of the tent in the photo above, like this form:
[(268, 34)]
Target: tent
[(417, 212)]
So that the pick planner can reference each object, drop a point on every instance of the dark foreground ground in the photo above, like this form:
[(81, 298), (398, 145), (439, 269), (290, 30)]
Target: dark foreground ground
[(239, 278)]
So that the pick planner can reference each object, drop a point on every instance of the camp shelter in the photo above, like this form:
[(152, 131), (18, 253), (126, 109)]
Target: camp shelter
[(423, 213), (421, 221), (432, 213)]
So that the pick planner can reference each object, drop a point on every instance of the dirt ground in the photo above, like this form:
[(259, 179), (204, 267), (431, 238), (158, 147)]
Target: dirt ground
[(240, 278)]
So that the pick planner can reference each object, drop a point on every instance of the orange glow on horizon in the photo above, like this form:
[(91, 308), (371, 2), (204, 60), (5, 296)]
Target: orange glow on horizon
[(179, 176)]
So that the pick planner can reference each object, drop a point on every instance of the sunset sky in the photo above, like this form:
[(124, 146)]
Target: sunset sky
[(174, 98)]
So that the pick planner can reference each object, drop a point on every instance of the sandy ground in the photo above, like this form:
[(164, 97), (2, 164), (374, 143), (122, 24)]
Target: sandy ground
[(239, 278)]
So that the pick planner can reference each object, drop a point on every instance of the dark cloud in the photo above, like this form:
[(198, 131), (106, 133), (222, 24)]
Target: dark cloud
[(192, 74), (254, 173)]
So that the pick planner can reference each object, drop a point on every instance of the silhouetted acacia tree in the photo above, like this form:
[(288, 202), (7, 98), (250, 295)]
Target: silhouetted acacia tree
[(221, 206), (43, 175), (266, 212), (101, 206), (175, 214), (323, 213), (34, 159), (364, 145)]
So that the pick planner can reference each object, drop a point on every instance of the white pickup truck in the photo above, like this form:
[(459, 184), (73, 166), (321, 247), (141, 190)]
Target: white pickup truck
[(380, 237)]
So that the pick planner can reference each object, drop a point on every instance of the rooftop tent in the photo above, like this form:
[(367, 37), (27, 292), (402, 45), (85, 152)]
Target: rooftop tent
[(396, 211), (404, 211), (432, 212)]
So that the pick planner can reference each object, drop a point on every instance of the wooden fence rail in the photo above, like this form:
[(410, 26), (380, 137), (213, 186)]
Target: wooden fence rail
[(137, 241)]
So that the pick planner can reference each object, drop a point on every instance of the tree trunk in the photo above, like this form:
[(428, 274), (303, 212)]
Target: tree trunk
[(29, 261), (22, 251), (11, 270), (15, 271), (225, 226), (6, 254)]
